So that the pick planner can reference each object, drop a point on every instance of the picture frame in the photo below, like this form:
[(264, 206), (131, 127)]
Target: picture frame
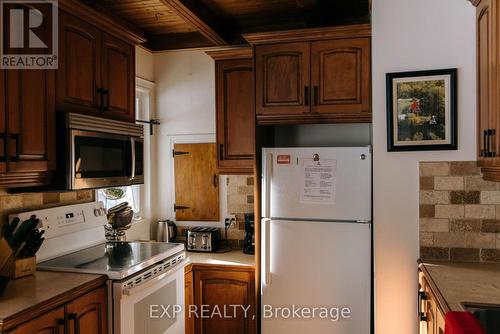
[(422, 110)]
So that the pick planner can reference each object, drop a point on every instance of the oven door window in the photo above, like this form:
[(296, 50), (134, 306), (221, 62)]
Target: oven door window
[(97, 157)]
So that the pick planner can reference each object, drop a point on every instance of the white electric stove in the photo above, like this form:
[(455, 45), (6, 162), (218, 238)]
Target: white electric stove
[(140, 275)]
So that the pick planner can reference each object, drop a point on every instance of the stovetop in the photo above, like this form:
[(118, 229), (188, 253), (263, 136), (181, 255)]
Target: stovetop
[(117, 260)]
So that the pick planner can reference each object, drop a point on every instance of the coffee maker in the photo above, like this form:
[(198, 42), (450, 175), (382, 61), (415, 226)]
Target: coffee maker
[(249, 245)]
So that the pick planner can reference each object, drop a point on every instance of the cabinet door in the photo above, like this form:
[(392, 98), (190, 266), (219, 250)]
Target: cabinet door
[(188, 300), (235, 116), (50, 323), (78, 77), (3, 128), (282, 79), (88, 313), (223, 288), (340, 77), (31, 120), (118, 79)]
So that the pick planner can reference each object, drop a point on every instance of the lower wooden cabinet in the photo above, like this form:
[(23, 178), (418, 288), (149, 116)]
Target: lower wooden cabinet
[(220, 299), (86, 314), (430, 314), (50, 323)]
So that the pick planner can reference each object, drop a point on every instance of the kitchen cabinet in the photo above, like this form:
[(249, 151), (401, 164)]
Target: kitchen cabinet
[(488, 86), (431, 315), (235, 110), (27, 127), (96, 72), (313, 75), (51, 322), (87, 314), (221, 286), (75, 312)]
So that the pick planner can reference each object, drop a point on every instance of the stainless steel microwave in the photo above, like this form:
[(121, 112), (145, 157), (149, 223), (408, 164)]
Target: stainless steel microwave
[(102, 153)]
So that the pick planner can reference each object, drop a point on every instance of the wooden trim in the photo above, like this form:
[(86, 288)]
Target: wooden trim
[(100, 20), (237, 52), (45, 306), (311, 118), (204, 26), (299, 35), (475, 2), (442, 304), (491, 173), (13, 179)]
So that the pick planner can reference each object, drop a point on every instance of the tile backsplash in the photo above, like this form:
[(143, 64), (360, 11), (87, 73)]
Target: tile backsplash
[(459, 213), (13, 203)]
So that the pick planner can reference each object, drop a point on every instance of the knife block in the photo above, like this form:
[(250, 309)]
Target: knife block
[(12, 267)]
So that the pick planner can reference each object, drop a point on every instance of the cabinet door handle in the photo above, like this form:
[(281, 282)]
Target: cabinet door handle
[(215, 181), (15, 136), (3, 136), (221, 151), (316, 95), (106, 104), (76, 323), (63, 323), (485, 138), (422, 297), (306, 95), (100, 98), (491, 133)]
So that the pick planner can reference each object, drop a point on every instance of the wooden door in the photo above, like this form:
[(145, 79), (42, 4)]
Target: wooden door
[(282, 79), (31, 120), (223, 288), (51, 322), (486, 83), (78, 77), (118, 79), (88, 313), (3, 128), (235, 116), (196, 182), (340, 77)]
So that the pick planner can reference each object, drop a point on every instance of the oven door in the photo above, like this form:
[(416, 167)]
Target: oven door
[(149, 306), (98, 160)]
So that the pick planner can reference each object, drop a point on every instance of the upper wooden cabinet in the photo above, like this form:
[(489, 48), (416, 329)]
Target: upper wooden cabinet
[(488, 88), (235, 111), (282, 79), (104, 66), (313, 75)]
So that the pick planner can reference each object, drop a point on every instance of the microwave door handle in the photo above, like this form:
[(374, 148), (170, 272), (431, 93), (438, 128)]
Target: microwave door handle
[(132, 151)]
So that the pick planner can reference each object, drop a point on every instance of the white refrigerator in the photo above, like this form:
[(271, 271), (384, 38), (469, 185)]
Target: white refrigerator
[(316, 240)]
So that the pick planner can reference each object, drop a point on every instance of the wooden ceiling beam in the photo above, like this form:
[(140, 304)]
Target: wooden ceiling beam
[(200, 17)]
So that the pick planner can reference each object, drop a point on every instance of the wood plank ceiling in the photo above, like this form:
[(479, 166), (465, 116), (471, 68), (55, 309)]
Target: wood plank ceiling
[(176, 24)]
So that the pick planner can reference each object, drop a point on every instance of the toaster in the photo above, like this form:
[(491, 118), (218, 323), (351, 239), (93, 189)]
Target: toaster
[(203, 239)]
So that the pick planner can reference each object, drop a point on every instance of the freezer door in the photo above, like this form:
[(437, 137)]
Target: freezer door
[(316, 265), (317, 183)]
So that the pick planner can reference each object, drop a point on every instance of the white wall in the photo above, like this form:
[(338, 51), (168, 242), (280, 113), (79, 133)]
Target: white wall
[(413, 35), (185, 105)]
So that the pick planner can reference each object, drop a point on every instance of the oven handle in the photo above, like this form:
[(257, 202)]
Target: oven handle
[(132, 150), (131, 291)]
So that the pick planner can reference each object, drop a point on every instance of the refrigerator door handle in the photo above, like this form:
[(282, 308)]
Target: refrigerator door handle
[(267, 186), (267, 251)]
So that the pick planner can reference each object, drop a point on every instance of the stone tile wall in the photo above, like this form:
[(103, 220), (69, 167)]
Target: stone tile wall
[(13, 203), (459, 213)]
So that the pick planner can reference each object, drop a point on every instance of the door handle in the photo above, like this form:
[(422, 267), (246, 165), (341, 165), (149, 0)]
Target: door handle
[(106, 104), (132, 163), (215, 180), (15, 136), (306, 95), (63, 323), (316, 95), (221, 151), (267, 251), (491, 133), (76, 323), (422, 297), (485, 138)]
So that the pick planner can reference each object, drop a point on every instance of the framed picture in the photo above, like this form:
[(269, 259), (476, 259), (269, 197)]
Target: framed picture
[(422, 110)]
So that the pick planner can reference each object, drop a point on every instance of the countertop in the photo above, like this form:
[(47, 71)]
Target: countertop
[(477, 283), (34, 295), (232, 258)]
